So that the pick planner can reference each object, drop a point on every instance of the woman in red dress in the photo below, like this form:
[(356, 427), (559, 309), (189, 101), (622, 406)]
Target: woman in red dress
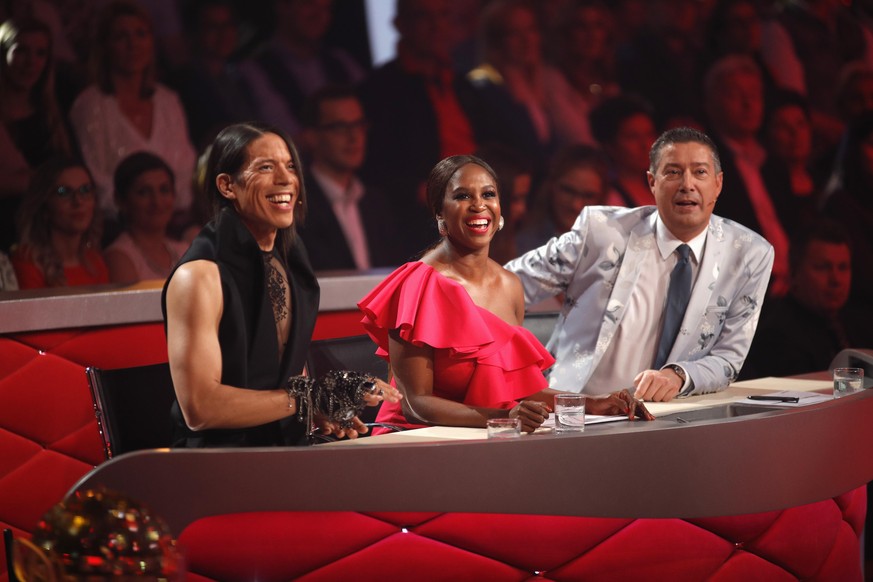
[(450, 323), (59, 243)]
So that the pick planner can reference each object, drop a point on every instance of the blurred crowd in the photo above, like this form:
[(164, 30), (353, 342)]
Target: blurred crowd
[(107, 106)]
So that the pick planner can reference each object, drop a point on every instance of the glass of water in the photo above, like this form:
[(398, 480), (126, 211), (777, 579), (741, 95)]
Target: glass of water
[(848, 381), (569, 413), (503, 428)]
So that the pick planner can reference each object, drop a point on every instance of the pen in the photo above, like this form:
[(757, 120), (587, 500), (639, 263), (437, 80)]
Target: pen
[(776, 398)]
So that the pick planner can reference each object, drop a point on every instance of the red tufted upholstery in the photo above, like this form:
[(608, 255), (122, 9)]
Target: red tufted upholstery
[(48, 434), (812, 542), (49, 440)]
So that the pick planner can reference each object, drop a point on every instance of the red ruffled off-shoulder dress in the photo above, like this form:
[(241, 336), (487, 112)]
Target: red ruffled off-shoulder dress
[(479, 359)]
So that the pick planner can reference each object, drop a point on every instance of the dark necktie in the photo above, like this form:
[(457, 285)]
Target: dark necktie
[(678, 295)]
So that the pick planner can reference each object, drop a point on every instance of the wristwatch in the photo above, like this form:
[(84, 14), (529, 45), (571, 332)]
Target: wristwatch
[(679, 372)]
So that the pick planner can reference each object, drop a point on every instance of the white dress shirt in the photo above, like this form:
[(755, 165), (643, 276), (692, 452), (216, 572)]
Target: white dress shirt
[(635, 343)]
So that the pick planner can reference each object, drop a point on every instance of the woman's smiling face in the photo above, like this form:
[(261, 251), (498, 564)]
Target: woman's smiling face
[(471, 207)]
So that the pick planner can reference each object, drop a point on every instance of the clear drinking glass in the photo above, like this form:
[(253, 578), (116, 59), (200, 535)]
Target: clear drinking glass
[(569, 413), (503, 428), (848, 381)]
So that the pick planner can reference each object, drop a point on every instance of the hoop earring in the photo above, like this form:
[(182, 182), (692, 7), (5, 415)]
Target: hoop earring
[(500, 223), (441, 227)]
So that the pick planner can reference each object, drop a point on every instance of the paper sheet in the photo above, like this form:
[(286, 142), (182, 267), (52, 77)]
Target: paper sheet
[(803, 399)]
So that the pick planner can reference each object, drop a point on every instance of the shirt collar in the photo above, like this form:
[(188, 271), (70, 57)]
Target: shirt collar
[(667, 243), (333, 191)]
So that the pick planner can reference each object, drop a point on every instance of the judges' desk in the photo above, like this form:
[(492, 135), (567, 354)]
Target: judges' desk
[(790, 478)]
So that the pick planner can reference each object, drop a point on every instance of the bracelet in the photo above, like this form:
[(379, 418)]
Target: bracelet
[(297, 388), (338, 396)]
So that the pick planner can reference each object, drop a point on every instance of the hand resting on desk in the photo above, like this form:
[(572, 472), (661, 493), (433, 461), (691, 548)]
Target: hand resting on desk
[(617, 403)]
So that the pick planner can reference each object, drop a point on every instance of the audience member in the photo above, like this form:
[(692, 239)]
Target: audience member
[(522, 91), (68, 22), (661, 62), (803, 331), (212, 88), (32, 129), (734, 27), (622, 323), (241, 306), (145, 192), (855, 91), (863, 12), (338, 201), (630, 18), (60, 229), (419, 111), (295, 62), (787, 136), (625, 129), (171, 46), (852, 205), (734, 102), (854, 101), (8, 280), (127, 110), (515, 175), (480, 363), (576, 178), (824, 35), (777, 50), (464, 30), (585, 53)]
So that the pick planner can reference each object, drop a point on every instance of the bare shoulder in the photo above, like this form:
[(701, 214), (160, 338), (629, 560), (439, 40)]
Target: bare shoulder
[(512, 290), (508, 280), (196, 283)]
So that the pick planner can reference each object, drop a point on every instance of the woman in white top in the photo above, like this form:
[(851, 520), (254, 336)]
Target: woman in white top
[(145, 194), (126, 110)]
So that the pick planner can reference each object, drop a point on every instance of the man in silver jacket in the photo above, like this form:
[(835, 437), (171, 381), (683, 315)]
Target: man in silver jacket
[(613, 270)]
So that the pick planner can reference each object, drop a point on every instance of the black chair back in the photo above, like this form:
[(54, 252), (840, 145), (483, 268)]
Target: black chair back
[(132, 406), (8, 547)]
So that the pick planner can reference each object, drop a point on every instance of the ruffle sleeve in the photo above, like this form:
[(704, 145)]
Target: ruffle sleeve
[(430, 309)]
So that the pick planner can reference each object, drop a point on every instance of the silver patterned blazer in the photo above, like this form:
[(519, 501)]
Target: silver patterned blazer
[(596, 266)]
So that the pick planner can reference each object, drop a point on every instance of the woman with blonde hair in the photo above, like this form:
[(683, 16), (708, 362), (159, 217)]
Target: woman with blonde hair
[(126, 110), (32, 128)]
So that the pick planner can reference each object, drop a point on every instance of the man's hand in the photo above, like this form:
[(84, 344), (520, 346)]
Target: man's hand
[(657, 385), (620, 402)]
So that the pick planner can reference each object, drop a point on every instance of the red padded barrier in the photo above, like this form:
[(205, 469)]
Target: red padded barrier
[(116, 347), (332, 324), (811, 542), (48, 434), (49, 439)]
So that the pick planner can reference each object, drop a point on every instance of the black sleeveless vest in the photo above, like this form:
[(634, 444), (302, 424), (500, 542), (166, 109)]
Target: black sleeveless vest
[(247, 331)]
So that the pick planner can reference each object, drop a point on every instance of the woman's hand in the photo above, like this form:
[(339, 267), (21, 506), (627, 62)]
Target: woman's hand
[(617, 403), (532, 414), (382, 391)]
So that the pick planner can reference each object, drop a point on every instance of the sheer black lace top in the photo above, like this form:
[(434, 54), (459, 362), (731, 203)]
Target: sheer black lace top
[(278, 290)]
